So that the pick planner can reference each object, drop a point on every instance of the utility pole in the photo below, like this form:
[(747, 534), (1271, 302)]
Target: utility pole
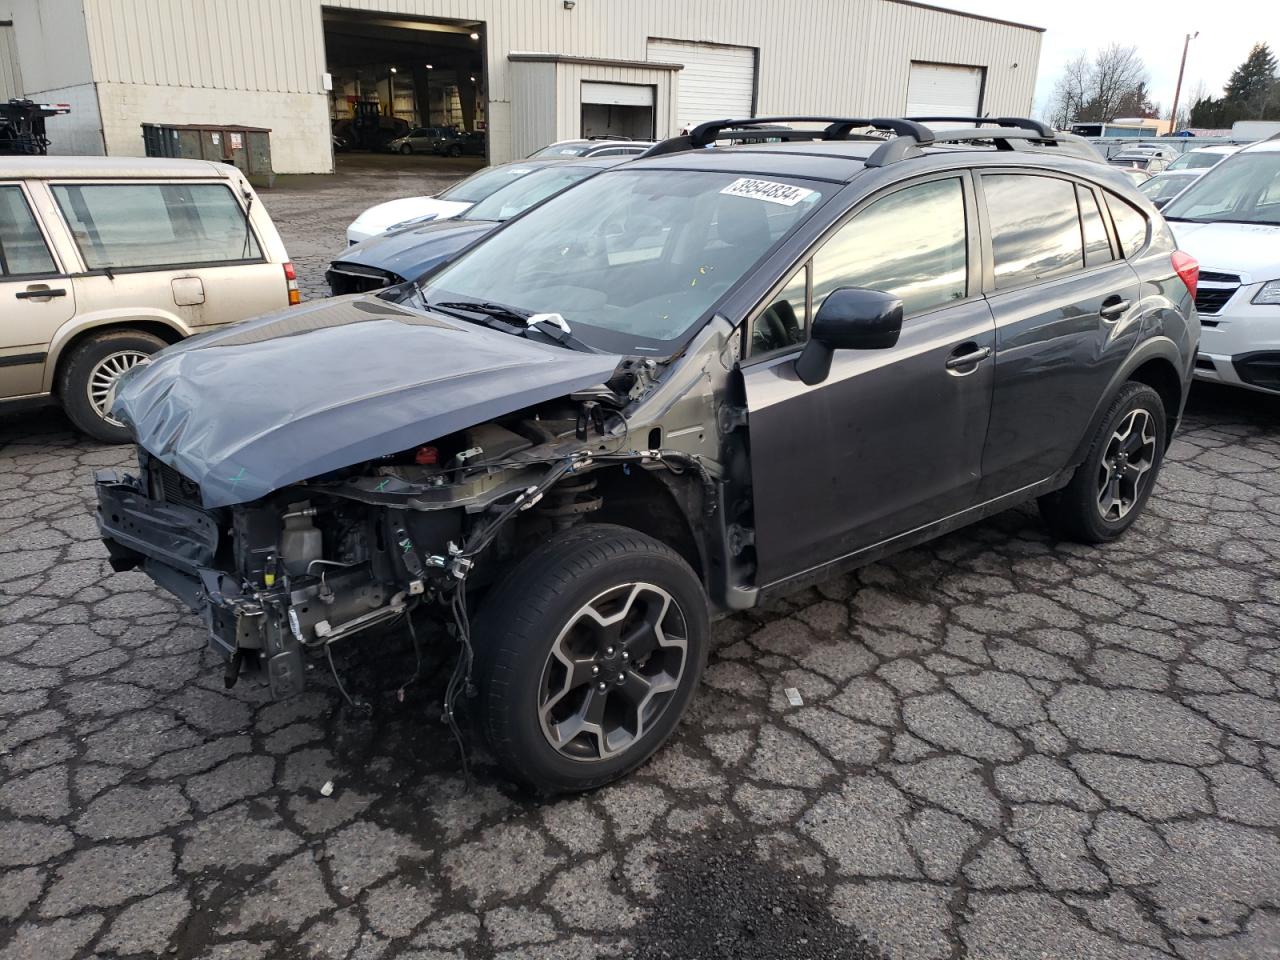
[(1177, 91)]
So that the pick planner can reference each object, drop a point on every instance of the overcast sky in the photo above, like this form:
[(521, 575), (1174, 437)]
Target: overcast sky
[(1228, 28)]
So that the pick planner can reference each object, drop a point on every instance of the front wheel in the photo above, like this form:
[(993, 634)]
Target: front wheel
[(406, 149), (1112, 485), (91, 370), (587, 654)]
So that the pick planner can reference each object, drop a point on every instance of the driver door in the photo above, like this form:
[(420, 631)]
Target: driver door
[(892, 439)]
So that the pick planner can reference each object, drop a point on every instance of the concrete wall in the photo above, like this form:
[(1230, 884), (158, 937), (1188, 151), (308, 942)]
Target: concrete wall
[(816, 56), (53, 56)]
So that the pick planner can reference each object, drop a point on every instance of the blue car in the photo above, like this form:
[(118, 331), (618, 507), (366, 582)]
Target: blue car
[(415, 249)]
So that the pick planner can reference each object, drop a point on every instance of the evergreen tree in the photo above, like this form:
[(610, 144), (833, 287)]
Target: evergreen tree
[(1253, 79)]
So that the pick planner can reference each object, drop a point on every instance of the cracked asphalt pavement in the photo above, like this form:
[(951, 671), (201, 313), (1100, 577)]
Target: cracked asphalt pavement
[(1007, 748)]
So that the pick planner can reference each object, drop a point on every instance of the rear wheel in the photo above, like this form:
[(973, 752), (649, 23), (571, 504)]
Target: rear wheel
[(1112, 485), (587, 654), (90, 372)]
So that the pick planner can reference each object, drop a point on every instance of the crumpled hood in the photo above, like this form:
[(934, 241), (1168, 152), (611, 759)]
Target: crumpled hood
[(258, 405), (411, 251), (1249, 249)]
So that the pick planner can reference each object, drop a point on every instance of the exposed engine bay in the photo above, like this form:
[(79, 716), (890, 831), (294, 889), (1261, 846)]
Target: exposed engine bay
[(282, 578)]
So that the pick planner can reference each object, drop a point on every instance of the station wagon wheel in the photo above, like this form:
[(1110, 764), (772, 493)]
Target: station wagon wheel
[(104, 375), (88, 371), (587, 653), (1125, 465), (612, 670), (1108, 490)]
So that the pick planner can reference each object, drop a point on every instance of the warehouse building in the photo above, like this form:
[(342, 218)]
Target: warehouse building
[(522, 73)]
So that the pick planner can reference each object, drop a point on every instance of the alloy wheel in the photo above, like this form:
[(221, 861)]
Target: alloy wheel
[(104, 375), (612, 671), (1126, 465)]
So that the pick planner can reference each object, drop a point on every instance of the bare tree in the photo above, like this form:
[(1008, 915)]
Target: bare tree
[(1070, 92), (1101, 88)]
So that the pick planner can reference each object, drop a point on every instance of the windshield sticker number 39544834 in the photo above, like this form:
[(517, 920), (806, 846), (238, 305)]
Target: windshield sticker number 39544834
[(768, 190)]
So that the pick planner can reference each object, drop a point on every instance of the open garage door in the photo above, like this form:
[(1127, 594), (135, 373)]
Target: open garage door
[(397, 78), (944, 89), (717, 82), (622, 110)]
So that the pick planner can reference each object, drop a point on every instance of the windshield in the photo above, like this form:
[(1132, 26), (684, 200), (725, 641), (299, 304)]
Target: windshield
[(632, 259), (562, 150), (1244, 188), (524, 193), (1196, 160), (480, 185), (1158, 188)]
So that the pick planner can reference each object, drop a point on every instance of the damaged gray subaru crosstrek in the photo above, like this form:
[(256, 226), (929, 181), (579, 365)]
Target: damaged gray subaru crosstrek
[(690, 383)]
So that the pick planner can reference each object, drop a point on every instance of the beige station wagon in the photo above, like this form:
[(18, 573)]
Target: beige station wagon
[(105, 260)]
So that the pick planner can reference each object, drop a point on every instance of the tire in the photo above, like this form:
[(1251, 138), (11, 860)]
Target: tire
[(530, 702), (455, 151), (1111, 487), (406, 149), (87, 366)]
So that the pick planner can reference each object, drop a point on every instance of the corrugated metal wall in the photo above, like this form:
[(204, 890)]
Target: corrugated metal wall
[(10, 68), (815, 55)]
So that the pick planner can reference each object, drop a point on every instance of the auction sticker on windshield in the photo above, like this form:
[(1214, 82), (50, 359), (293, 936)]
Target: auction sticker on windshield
[(768, 190)]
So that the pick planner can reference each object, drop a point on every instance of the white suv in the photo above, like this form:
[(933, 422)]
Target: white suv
[(1229, 220)]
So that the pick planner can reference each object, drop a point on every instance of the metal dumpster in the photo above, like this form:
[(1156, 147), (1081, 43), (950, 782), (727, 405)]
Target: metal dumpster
[(248, 148)]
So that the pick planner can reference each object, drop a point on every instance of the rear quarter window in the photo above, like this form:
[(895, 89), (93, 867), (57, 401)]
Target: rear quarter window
[(139, 225), (1131, 225)]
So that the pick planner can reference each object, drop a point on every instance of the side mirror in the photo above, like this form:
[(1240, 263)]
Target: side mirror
[(850, 318)]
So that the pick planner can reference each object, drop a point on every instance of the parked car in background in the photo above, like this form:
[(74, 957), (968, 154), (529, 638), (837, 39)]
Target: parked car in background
[(448, 203), (600, 147), (691, 384), (106, 260), (1203, 158), (1229, 219), (1147, 162), (455, 143), (1163, 187), (1135, 176), (420, 140), (409, 252)]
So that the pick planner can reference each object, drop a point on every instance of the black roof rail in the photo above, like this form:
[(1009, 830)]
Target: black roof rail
[(1025, 123), (837, 128), (1005, 138)]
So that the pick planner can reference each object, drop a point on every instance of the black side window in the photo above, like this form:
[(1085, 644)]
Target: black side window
[(1035, 228), (22, 249), (1131, 226), (1097, 245)]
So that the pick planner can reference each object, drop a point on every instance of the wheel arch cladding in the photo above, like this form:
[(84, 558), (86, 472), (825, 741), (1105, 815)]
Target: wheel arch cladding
[(1161, 376), (1155, 363)]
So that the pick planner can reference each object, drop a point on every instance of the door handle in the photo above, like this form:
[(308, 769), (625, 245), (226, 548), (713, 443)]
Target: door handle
[(972, 356), (40, 293), (1112, 309)]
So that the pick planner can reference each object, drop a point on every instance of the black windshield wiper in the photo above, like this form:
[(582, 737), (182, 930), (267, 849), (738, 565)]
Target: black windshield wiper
[(477, 315), (522, 322), (499, 311)]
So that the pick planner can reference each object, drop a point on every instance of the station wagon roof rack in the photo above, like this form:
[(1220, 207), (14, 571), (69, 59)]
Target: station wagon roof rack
[(910, 134)]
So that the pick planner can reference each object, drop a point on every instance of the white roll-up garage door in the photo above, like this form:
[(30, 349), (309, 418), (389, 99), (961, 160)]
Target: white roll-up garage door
[(943, 89), (617, 94), (717, 82)]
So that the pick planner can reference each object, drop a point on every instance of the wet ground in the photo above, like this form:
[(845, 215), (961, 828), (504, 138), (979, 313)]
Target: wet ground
[(1008, 748)]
